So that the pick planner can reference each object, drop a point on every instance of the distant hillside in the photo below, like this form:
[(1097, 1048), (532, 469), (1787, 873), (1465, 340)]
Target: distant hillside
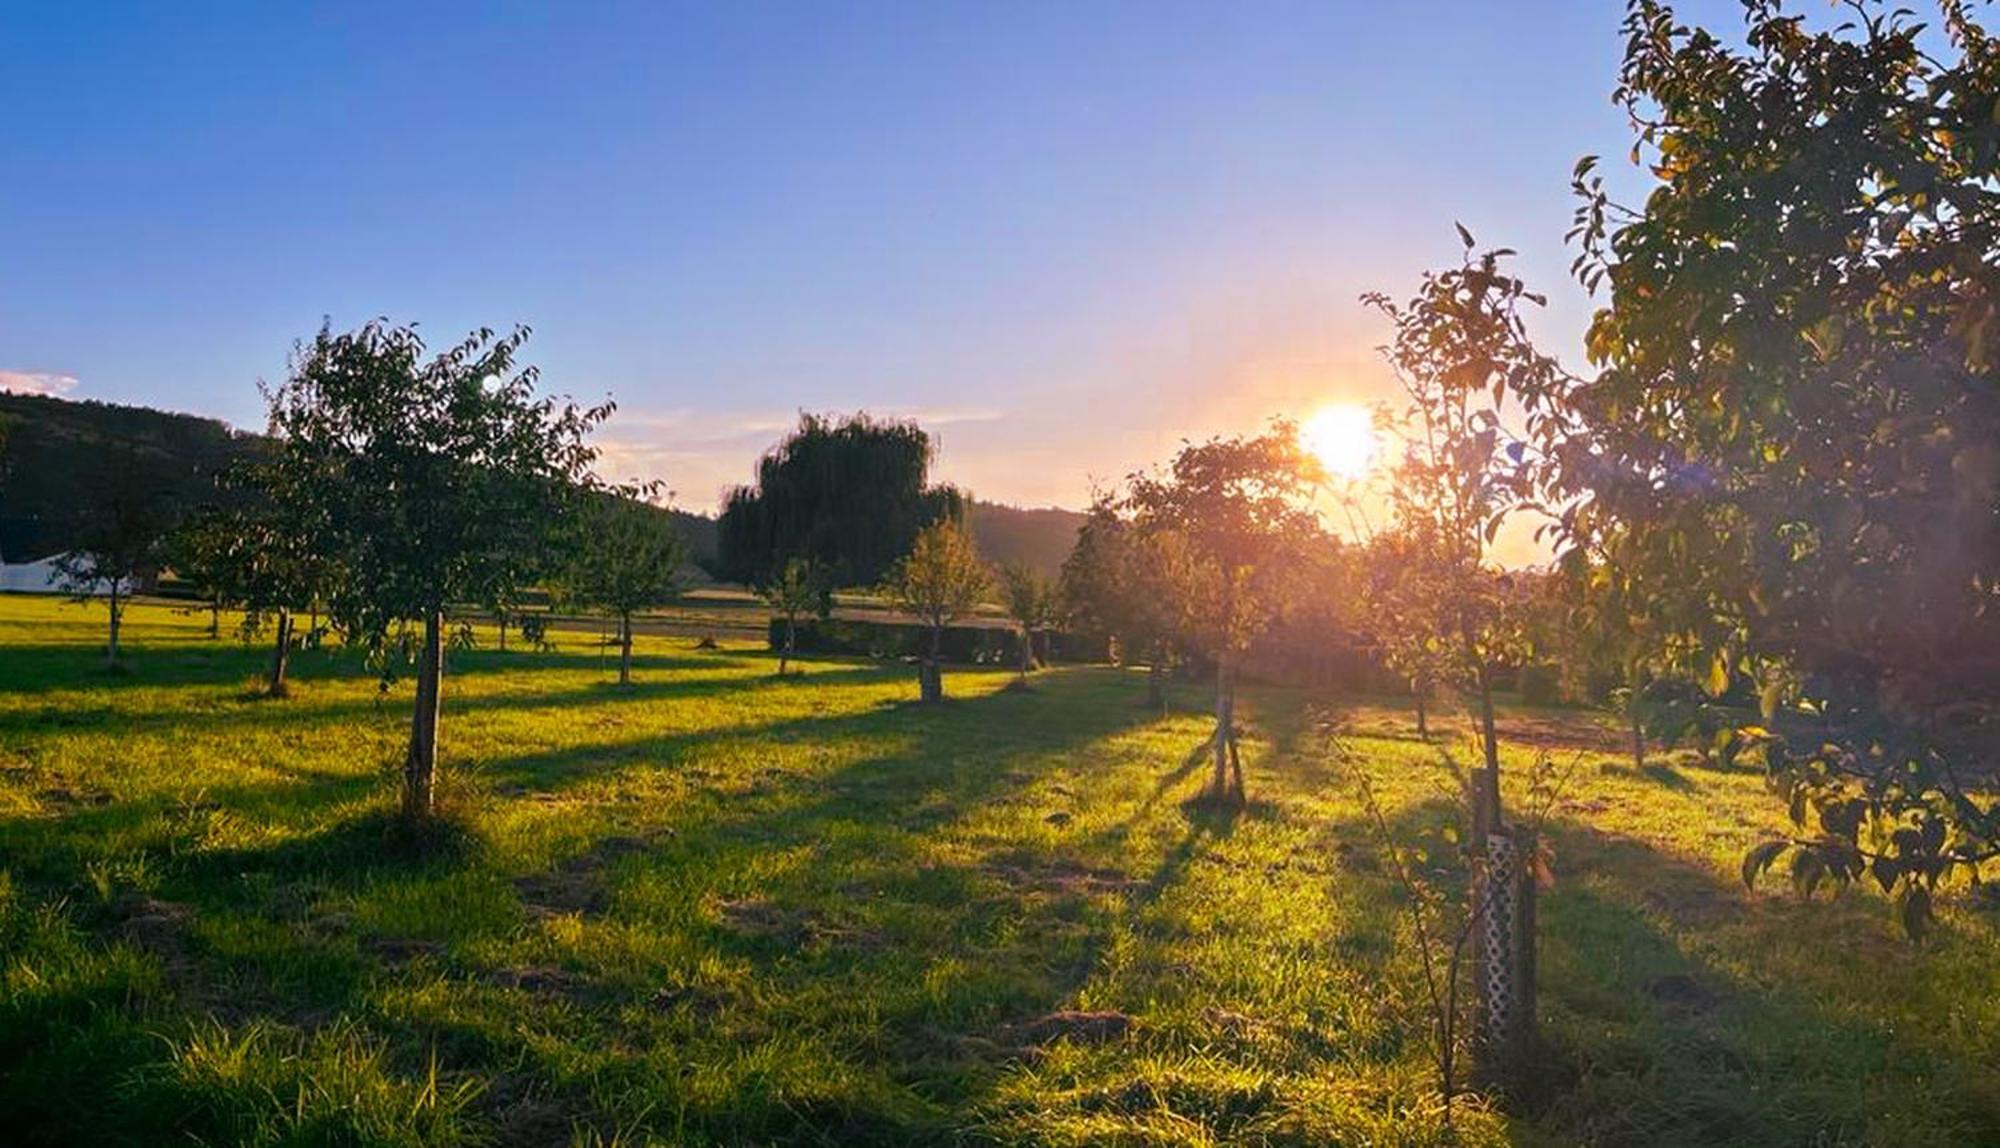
[(1041, 538), (48, 445)]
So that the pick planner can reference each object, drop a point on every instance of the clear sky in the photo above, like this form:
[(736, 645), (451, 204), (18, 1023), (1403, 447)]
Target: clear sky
[(1062, 235)]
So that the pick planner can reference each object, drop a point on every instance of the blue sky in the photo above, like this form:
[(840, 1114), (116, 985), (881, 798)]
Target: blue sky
[(1063, 235)]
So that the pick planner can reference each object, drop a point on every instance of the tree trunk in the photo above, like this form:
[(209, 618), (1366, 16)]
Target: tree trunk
[(930, 679), (1423, 709), (1486, 783), (117, 616), (1225, 725), (791, 643), (503, 631), (420, 769), (281, 656), (1027, 652), (625, 649), (214, 618)]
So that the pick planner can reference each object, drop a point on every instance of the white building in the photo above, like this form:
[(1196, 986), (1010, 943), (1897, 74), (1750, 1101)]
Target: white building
[(38, 577)]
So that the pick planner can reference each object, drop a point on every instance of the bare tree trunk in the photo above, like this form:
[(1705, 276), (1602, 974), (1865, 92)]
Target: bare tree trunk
[(1225, 724), (1486, 796), (930, 679), (281, 656), (1027, 652), (625, 648), (214, 618), (791, 643), (420, 769), (503, 631), (1638, 733), (117, 616)]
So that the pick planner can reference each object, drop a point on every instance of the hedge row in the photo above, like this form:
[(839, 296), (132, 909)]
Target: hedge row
[(976, 645)]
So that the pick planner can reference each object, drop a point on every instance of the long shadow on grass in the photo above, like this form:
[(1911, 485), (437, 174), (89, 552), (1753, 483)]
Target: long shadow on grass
[(238, 710), (1680, 1009)]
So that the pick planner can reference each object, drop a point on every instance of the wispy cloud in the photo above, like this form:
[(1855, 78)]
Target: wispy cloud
[(36, 382)]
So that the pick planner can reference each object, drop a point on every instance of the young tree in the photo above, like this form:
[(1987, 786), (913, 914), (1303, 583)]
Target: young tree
[(1406, 615), (198, 553), (439, 480), (1231, 522), (1460, 349), (940, 581), (1031, 601), (800, 587), (1113, 584), (127, 512), (627, 557), (1789, 445)]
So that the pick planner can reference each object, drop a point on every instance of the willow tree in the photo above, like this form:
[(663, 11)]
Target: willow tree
[(1231, 522), (624, 556), (1790, 443), (439, 480), (938, 582), (847, 495)]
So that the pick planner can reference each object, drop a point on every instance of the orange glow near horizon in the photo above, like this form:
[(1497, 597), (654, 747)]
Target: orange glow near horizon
[(1342, 437)]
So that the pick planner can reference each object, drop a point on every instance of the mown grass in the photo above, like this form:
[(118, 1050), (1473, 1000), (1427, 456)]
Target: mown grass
[(720, 907)]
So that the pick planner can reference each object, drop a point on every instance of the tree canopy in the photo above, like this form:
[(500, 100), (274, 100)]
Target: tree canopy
[(850, 495)]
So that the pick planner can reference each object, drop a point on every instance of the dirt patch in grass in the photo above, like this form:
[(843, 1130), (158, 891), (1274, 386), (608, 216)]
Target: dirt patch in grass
[(158, 927), (1074, 1025), (1061, 877), (579, 884)]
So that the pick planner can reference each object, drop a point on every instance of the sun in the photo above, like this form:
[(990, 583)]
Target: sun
[(1342, 438)]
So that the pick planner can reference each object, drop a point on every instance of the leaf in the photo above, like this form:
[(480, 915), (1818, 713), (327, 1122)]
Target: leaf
[(1759, 859), (1717, 682), (1463, 235)]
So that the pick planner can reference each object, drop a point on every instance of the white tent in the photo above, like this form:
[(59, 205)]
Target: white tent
[(30, 577)]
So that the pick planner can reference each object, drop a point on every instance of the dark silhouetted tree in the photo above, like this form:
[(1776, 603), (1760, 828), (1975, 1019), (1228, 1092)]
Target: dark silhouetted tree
[(848, 495)]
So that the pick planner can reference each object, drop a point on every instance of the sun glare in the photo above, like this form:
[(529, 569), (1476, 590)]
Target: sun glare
[(1342, 438)]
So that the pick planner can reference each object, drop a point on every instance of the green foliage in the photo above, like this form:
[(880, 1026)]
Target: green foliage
[(941, 579), (438, 482), (1031, 599), (848, 495), (1788, 450), (624, 554)]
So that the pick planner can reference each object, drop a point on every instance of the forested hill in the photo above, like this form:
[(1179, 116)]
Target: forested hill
[(49, 448), (1040, 538)]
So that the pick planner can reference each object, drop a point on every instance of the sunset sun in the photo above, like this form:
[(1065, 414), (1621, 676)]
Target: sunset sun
[(1342, 438)]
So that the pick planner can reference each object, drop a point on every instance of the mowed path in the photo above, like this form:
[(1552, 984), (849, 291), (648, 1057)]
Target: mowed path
[(722, 907)]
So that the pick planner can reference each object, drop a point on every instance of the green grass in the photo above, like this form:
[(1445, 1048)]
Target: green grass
[(720, 907)]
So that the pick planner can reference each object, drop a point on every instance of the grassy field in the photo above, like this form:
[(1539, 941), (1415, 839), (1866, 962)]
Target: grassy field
[(720, 907)]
